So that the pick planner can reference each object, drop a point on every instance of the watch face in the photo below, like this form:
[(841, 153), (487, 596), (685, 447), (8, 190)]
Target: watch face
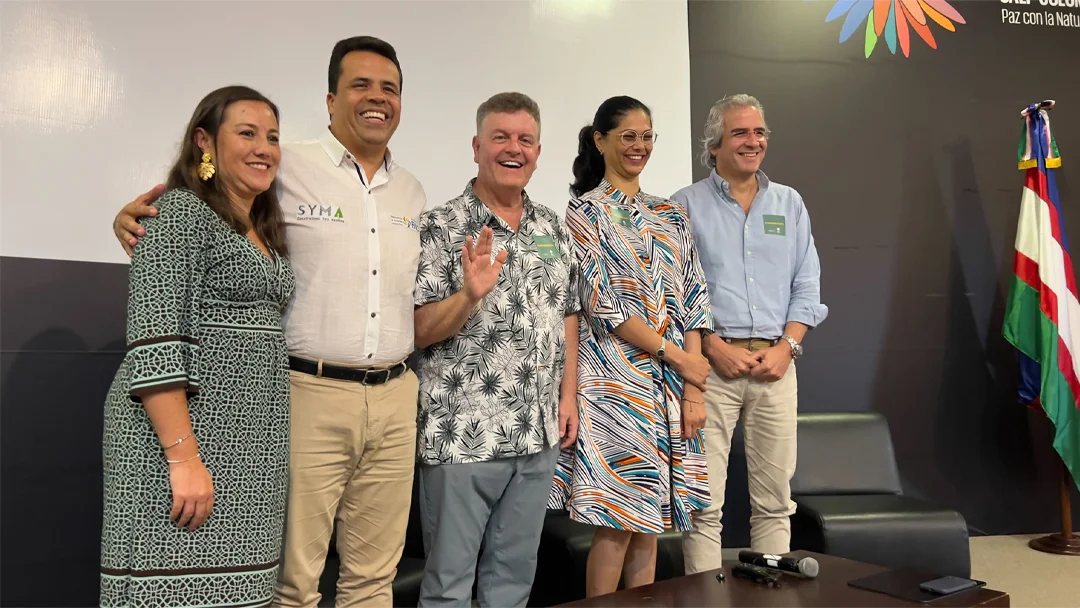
[(796, 348)]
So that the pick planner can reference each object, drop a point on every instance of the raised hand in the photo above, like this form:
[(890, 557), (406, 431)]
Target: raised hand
[(479, 272)]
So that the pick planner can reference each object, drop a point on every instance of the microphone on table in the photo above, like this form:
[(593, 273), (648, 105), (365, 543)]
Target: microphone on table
[(805, 566)]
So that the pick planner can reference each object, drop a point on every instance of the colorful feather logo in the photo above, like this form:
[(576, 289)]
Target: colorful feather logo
[(894, 20)]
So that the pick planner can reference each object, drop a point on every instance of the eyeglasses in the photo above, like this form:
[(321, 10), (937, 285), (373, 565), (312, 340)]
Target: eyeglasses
[(630, 137)]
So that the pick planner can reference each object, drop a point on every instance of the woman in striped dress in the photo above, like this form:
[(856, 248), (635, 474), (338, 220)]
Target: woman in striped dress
[(638, 466)]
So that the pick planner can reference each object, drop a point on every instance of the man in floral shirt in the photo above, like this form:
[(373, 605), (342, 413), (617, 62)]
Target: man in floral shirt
[(496, 319)]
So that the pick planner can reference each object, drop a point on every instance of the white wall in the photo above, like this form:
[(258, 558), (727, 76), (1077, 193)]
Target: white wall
[(94, 96)]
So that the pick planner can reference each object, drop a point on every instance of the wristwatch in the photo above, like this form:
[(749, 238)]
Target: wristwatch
[(660, 351), (796, 348)]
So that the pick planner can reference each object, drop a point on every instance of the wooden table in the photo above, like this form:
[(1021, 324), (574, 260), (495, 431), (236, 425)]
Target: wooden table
[(830, 588)]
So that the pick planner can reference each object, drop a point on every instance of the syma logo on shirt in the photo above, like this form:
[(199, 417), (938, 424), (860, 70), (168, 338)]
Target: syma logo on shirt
[(319, 212)]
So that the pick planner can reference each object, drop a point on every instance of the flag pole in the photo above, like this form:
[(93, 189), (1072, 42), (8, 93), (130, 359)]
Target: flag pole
[(1038, 152), (1065, 543)]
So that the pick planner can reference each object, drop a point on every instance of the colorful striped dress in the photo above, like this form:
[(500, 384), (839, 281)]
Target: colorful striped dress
[(630, 469)]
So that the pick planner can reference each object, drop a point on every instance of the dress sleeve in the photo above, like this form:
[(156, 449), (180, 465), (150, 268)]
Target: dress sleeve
[(600, 304), (697, 306), (164, 287)]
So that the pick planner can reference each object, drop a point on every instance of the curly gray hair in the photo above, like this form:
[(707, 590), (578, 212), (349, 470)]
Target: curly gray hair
[(714, 125)]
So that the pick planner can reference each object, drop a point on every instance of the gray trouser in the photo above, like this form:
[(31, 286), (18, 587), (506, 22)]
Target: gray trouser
[(502, 503)]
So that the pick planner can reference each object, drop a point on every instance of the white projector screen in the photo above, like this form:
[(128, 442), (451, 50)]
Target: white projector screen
[(94, 96)]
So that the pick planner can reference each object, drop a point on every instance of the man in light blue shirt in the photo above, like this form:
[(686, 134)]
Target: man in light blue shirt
[(754, 240)]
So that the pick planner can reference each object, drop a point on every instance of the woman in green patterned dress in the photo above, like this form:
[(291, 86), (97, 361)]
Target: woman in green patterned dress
[(196, 442)]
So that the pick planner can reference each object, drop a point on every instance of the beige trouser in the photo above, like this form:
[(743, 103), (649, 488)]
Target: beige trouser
[(353, 453), (768, 411)]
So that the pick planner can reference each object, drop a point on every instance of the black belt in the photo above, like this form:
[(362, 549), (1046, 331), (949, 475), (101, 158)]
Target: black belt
[(363, 376)]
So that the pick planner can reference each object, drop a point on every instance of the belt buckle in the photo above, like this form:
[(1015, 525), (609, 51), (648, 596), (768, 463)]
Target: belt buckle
[(369, 372)]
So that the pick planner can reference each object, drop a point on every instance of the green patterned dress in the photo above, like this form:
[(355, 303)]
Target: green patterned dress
[(204, 313)]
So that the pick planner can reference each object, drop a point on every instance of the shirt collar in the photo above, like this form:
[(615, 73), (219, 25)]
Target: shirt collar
[(724, 189), (483, 214), (614, 194), (338, 154)]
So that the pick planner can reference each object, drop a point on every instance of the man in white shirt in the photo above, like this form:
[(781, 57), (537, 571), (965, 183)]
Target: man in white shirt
[(352, 229)]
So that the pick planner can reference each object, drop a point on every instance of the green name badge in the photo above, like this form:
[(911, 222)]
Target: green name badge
[(775, 224), (621, 216), (546, 247)]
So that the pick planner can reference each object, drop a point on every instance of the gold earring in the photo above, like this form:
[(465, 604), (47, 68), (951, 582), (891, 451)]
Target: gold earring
[(206, 168)]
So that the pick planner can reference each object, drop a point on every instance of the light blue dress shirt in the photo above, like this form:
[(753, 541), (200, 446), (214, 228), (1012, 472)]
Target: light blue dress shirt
[(762, 268)]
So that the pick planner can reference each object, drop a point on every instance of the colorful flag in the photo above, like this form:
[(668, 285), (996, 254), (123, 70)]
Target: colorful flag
[(1042, 316)]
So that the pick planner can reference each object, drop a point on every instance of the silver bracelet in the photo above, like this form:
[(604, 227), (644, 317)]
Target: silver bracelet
[(184, 460), (178, 441)]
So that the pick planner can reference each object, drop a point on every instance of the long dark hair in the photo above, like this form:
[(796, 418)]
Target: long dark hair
[(589, 164), (265, 216)]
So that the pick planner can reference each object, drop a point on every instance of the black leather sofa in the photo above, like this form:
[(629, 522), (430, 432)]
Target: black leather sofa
[(851, 503)]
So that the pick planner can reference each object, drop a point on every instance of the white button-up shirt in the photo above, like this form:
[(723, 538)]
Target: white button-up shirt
[(354, 247)]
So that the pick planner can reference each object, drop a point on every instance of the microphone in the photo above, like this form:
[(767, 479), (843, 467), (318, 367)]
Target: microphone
[(806, 566)]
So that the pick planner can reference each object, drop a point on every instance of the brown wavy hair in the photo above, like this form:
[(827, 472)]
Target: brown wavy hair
[(265, 216)]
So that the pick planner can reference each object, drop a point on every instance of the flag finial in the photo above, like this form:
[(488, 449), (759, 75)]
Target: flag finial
[(1037, 143)]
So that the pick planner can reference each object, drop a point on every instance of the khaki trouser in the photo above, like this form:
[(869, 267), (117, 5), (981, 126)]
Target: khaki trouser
[(353, 453), (769, 414)]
